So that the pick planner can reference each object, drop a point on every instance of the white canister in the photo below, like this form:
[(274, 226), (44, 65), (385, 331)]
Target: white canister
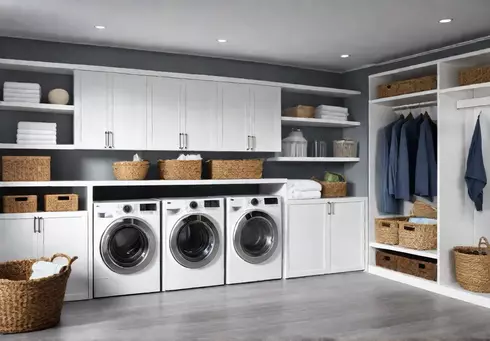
[(295, 145)]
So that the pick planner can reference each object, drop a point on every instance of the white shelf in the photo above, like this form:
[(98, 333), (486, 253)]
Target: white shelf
[(106, 183), (38, 107), (36, 146), (317, 122), (424, 253), (316, 90), (313, 159), (465, 88), (418, 97)]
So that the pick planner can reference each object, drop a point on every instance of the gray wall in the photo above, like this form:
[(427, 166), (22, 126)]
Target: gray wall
[(359, 108), (96, 165)]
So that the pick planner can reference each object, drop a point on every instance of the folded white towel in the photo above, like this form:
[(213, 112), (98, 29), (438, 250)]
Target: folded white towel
[(333, 113), (332, 108), (35, 132), (332, 118), (36, 143), (21, 100), (305, 195), (21, 85), (36, 137), (44, 269), (19, 92), (36, 125), (303, 185), (26, 96)]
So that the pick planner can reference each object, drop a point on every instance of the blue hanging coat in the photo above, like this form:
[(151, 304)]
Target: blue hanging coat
[(394, 149), (476, 177), (426, 165)]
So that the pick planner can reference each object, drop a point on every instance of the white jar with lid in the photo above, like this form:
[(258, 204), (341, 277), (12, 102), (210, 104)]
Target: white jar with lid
[(295, 145)]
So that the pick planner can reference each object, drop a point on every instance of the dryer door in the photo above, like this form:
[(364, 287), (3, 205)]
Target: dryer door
[(195, 241), (256, 237), (128, 245)]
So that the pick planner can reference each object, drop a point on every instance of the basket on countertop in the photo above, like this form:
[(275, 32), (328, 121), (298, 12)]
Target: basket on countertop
[(472, 266), (474, 75), (333, 189), (19, 203), (60, 202), (180, 169), (26, 168), (419, 236), (30, 305), (386, 229), (130, 170), (235, 169), (417, 266), (407, 86), (303, 111)]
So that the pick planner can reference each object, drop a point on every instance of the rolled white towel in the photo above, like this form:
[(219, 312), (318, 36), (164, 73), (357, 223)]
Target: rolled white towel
[(303, 185), (305, 195), (36, 125), (44, 269), (21, 85), (332, 108), (36, 132)]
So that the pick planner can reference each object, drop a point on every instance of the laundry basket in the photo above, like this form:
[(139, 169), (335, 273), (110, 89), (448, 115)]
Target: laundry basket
[(472, 266), (29, 305)]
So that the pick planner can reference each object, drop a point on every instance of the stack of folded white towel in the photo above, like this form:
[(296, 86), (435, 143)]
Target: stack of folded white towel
[(21, 92), (39, 133), (330, 112), (304, 189)]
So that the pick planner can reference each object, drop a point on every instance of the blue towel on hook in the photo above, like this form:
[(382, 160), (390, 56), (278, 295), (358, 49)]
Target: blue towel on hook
[(476, 177)]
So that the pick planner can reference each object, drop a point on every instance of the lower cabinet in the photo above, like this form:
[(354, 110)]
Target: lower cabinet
[(43, 234), (325, 236)]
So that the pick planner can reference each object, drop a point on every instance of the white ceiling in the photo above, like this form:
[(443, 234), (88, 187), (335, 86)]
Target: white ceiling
[(306, 33)]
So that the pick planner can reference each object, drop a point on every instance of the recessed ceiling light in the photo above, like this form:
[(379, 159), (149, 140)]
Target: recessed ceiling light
[(445, 21), (222, 40), (100, 27), (344, 55)]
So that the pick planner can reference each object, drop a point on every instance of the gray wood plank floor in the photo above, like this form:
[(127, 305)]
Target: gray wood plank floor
[(346, 306)]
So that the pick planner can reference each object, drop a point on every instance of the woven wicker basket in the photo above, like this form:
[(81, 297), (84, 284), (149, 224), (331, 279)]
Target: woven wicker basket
[(407, 86), (29, 305), (60, 202), (26, 168), (19, 203), (333, 189), (300, 111), (417, 267), (386, 260), (386, 230), (421, 209), (180, 169), (130, 170), (419, 236), (474, 75), (235, 169), (472, 266)]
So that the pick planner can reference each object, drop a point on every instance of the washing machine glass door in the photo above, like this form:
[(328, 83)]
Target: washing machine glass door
[(128, 245), (194, 241), (256, 237)]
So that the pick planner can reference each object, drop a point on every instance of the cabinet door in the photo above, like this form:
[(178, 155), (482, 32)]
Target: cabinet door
[(235, 120), (306, 236), (201, 115), (129, 112), (17, 239), (347, 223), (92, 103), (69, 235), (266, 118), (164, 114)]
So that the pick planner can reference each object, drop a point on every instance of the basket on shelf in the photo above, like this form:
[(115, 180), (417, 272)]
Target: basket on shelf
[(415, 266), (474, 75), (29, 305), (19, 203), (130, 170), (180, 169), (407, 86), (235, 169), (332, 189), (60, 202), (345, 148), (472, 266), (303, 111), (419, 236), (386, 229), (386, 260), (26, 168)]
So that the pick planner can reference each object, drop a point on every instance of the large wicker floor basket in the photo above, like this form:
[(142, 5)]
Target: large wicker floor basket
[(472, 266), (29, 305)]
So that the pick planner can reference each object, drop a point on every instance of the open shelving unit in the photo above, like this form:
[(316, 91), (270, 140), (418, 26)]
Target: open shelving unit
[(313, 159), (38, 107), (408, 99), (317, 122), (422, 253)]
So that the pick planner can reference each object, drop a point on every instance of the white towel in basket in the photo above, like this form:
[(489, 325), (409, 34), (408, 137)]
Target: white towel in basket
[(44, 269)]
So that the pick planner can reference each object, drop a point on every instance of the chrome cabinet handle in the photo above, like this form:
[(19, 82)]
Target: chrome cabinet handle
[(106, 139), (40, 227), (111, 139), (248, 142), (254, 142), (180, 141), (35, 227), (329, 208), (333, 208), (186, 140)]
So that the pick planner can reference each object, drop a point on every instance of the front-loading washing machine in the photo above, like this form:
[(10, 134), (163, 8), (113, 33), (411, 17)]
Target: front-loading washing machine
[(126, 247), (194, 243), (254, 238)]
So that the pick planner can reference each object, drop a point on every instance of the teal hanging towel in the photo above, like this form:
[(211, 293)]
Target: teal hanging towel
[(476, 177)]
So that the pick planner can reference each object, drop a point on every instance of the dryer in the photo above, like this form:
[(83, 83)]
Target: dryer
[(193, 243), (126, 247), (254, 238)]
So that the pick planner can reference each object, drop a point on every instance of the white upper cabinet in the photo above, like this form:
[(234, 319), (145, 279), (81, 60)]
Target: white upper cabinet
[(201, 115), (266, 120), (92, 112), (129, 112), (236, 121), (165, 113)]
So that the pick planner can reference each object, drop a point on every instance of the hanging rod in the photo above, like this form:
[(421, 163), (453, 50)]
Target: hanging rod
[(415, 105), (473, 103)]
